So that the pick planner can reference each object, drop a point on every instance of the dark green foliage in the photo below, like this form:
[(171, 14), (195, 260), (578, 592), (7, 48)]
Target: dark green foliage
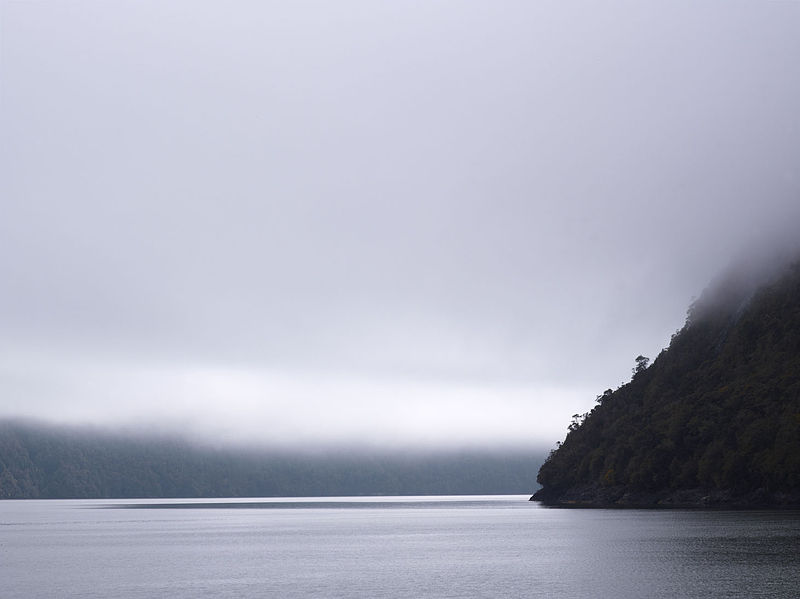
[(718, 410), (40, 462)]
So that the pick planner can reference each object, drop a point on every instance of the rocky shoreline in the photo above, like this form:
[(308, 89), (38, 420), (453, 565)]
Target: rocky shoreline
[(595, 496)]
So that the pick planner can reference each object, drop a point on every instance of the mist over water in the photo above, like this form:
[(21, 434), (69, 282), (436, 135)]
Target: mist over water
[(373, 224)]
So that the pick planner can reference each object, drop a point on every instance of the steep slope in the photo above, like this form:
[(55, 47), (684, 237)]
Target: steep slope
[(715, 420)]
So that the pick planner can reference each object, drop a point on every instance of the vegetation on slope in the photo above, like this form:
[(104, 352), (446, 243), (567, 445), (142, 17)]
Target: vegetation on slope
[(715, 419), (42, 462)]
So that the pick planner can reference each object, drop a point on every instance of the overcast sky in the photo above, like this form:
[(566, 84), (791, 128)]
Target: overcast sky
[(374, 222)]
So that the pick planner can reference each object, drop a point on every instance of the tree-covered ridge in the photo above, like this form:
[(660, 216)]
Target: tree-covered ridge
[(43, 462), (714, 419)]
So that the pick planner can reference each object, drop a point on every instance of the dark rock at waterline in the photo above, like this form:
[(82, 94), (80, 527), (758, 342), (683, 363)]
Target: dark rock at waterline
[(623, 497)]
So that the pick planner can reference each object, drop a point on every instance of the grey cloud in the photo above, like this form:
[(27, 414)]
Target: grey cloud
[(504, 195)]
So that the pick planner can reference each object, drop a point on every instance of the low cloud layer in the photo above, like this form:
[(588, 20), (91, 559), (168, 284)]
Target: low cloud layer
[(379, 223)]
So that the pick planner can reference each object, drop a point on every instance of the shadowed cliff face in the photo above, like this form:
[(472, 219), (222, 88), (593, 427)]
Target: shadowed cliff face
[(715, 419)]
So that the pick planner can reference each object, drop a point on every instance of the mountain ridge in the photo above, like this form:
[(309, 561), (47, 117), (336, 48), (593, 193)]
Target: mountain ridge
[(51, 462), (714, 421)]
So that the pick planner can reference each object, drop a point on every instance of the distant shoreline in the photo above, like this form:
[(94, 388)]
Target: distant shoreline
[(41, 462)]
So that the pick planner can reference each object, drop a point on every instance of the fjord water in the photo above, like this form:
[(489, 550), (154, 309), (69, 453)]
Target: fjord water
[(497, 546)]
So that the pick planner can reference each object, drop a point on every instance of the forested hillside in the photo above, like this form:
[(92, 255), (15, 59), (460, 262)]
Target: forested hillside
[(715, 420), (44, 462)]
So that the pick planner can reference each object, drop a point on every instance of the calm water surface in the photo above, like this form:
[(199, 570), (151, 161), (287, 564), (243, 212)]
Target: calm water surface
[(497, 546)]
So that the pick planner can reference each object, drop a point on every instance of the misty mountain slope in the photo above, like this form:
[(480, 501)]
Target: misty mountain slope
[(714, 420), (43, 462)]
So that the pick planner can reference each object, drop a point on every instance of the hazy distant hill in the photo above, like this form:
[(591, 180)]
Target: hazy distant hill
[(715, 420), (45, 462)]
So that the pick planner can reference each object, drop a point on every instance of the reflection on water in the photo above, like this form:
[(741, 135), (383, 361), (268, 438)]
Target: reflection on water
[(390, 547), (385, 503)]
